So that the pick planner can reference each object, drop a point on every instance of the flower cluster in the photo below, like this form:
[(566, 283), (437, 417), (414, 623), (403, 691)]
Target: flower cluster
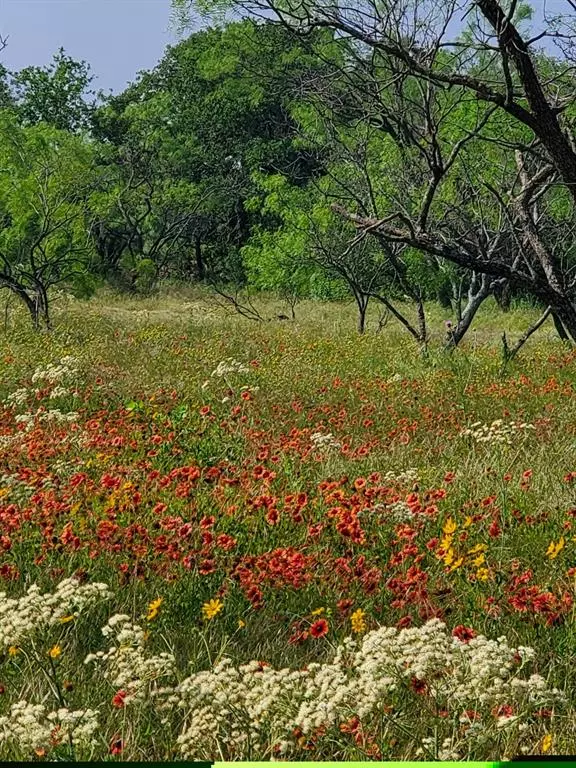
[(29, 727), (228, 366), (406, 477), (41, 415), (55, 372), (252, 706), (22, 617), (497, 432), (125, 664), (49, 382), (324, 442)]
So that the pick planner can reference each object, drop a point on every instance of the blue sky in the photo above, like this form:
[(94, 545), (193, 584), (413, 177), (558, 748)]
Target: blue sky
[(118, 38)]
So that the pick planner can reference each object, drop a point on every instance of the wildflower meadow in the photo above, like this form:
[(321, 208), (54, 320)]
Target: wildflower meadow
[(228, 540)]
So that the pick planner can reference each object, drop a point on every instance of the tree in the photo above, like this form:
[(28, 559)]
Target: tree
[(313, 245), (7, 100), (46, 181), (186, 139), (380, 168), (496, 64), (58, 94)]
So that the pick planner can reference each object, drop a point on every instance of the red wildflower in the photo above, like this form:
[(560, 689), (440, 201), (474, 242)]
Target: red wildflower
[(298, 637), (116, 745), (119, 699), (319, 628), (344, 606), (494, 530), (273, 517), (419, 686), (504, 710), (464, 634), (207, 567)]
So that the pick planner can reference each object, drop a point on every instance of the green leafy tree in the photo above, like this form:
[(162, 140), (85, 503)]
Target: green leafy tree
[(406, 45), (7, 99), (187, 138), (58, 94), (46, 182)]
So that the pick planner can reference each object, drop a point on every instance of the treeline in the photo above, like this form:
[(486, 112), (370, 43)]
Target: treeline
[(310, 156)]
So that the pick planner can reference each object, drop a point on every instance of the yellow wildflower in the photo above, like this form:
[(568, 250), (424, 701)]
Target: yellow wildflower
[(554, 549), (212, 608), (449, 526), (446, 542), (467, 521), (241, 624), (448, 558), (358, 621), (55, 651), (457, 564), (153, 608), (66, 619), (482, 574), (546, 743), (13, 650), (477, 548), (318, 612), (479, 560)]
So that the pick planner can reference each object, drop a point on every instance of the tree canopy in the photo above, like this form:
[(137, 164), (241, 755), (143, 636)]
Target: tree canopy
[(382, 151)]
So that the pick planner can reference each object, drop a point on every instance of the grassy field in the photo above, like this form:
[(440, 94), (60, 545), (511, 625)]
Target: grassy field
[(315, 545)]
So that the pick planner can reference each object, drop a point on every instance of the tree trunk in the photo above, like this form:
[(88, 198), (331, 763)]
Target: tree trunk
[(503, 297), (32, 307), (200, 268), (362, 304), (566, 313), (542, 118), (43, 309), (509, 353), (422, 330), (559, 327), (477, 293)]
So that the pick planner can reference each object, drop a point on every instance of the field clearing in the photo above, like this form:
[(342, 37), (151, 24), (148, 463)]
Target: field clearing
[(261, 492)]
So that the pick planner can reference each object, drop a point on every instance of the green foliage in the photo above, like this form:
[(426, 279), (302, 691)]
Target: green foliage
[(182, 144), (58, 94), (46, 183)]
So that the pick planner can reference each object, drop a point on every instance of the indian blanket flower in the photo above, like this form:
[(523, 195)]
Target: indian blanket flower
[(319, 628)]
